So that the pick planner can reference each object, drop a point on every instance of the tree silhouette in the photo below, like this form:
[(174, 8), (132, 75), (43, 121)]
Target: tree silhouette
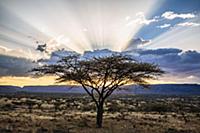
[(100, 76)]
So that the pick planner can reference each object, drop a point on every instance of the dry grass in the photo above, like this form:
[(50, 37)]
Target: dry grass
[(76, 114)]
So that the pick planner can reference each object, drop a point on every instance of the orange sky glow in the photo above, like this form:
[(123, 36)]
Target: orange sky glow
[(46, 80)]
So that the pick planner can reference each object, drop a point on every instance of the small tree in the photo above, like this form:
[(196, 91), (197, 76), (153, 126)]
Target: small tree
[(30, 104), (99, 77)]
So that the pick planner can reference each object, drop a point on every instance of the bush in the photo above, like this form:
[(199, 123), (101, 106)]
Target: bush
[(156, 108), (7, 107), (114, 108), (89, 107)]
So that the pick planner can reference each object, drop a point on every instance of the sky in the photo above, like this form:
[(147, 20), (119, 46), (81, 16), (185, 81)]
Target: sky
[(164, 32)]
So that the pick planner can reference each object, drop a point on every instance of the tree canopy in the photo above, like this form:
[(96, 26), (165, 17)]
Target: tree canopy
[(100, 76)]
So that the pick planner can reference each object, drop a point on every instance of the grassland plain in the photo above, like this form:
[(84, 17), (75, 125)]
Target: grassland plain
[(75, 113)]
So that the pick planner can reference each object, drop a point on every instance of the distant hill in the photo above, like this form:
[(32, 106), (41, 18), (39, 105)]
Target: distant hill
[(161, 89), (167, 89), (53, 89), (9, 89)]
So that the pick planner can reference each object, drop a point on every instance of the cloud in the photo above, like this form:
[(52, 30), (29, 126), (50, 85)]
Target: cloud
[(22, 53), (159, 52), (56, 56), (4, 49), (42, 48), (164, 26), (171, 15), (188, 24), (180, 66), (140, 19), (137, 43), (127, 18), (14, 66), (174, 61), (54, 44)]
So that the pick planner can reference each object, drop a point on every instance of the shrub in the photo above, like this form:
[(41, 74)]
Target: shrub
[(156, 108)]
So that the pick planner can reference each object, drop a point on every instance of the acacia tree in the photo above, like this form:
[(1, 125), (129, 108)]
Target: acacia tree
[(99, 77)]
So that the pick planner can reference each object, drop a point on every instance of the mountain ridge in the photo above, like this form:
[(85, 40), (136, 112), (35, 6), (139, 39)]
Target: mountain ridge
[(163, 89)]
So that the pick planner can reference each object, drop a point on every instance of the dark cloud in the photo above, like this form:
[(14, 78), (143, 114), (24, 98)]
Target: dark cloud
[(14, 66), (56, 56), (191, 57), (42, 48), (135, 43), (163, 51), (172, 60)]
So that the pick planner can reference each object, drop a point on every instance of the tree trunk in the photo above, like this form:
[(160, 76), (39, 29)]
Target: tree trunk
[(99, 117)]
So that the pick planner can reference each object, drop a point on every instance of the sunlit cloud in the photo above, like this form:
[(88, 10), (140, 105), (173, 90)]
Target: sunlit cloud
[(21, 53), (128, 18), (4, 49), (171, 15), (140, 19), (184, 35), (188, 24), (164, 26)]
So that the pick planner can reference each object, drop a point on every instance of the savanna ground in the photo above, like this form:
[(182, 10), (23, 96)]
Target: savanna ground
[(75, 113)]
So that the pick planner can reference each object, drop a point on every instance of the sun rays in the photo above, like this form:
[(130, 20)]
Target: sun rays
[(73, 25), (184, 36)]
